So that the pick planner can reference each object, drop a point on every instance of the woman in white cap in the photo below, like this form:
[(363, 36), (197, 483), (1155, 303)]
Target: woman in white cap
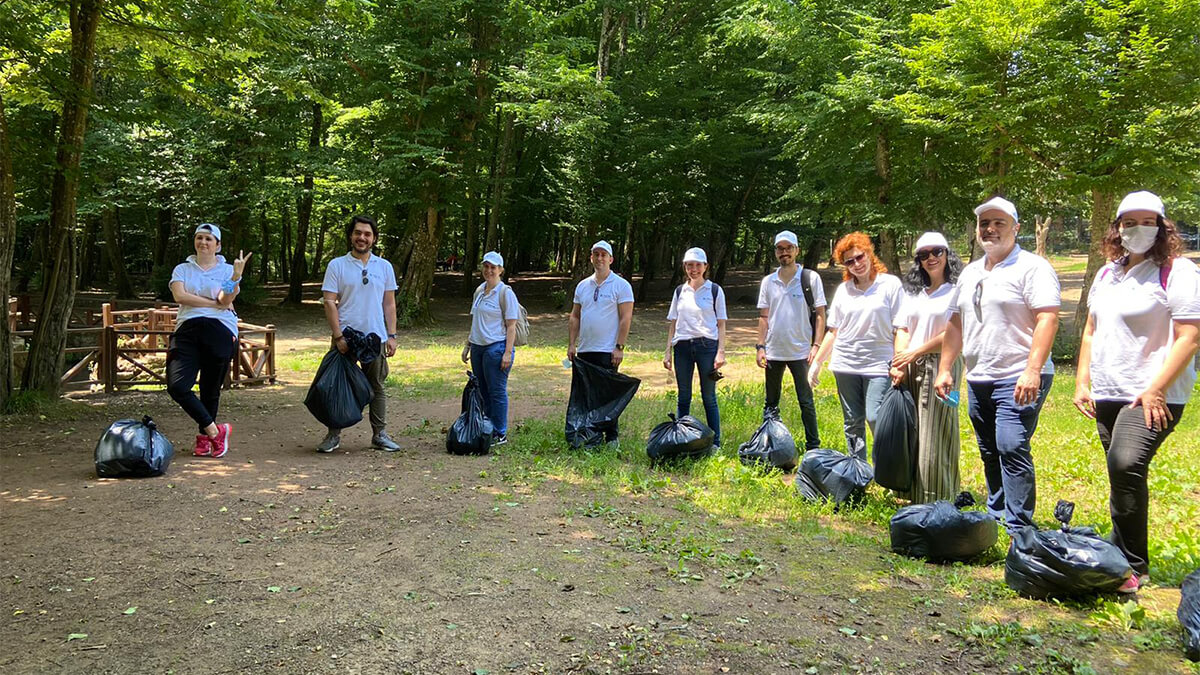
[(206, 336), (859, 333), (491, 344), (929, 287), (696, 338), (1136, 360)]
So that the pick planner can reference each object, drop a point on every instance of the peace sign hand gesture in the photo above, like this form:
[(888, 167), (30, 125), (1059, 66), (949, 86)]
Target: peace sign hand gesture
[(239, 264)]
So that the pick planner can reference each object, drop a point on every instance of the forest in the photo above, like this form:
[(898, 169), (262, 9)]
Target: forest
[(535, 127)]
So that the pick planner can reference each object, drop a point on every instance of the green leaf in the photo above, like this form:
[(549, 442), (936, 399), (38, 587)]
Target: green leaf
[(131, 610), (274, 589), (76, 636)]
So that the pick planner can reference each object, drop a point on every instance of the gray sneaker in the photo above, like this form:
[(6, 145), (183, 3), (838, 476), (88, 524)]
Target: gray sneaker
[(333, 441), (381, 441)]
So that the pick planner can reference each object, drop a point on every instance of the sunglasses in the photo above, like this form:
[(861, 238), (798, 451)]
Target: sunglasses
[(596, 294), (365, 280), (850, 262), (923, 255), (977, 300)]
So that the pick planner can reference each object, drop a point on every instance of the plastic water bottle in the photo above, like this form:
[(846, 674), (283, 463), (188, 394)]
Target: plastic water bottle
[(566, 363), (952, 399)]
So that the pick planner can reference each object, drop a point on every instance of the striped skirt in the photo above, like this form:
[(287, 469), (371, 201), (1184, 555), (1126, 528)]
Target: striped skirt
[(936, 475)]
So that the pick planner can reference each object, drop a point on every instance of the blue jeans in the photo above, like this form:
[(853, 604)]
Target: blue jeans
[(698, 354), (1004, 430), (493, 382), (860, 396)]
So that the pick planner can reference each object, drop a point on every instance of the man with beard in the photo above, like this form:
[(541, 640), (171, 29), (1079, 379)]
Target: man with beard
[(359, 293), (1003, 322), (791, 324)]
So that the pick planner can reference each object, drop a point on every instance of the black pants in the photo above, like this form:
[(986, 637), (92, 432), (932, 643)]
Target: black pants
[(201, 347), (804, 396), (1129, 446), (604, 360)]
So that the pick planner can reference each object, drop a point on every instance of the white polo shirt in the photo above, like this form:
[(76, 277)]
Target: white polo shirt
[(694, 312), (925, 315), (997, 347), (207, 284), (599, 312), (487, 326), (789, 333), (865, 321), (360, 306), (1133, 316)]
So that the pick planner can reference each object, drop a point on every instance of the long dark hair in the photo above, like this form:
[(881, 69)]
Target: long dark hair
[(1167, 243), (916, 279)]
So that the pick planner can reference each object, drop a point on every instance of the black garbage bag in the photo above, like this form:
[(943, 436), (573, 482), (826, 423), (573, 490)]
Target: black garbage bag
[(1063, 563), (364, 347), (771, 445), (133, 449), (682, 438), (338, 392), (598, 397), (828, 474), (1189, 614), (895, 452), (941, 531), (471, 433)]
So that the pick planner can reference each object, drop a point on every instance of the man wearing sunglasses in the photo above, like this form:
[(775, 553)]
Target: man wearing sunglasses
[(1003, 322), (359, 292), (600, 317)]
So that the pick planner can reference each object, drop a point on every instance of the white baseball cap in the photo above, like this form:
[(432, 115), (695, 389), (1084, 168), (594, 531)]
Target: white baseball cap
[(603, 245), (209, 228), (1141, 201), (999, 204), (931, 240), (788, 236), (493, 258), (695, 254)]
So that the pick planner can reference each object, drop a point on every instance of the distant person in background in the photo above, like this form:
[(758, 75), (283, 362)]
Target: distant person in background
[(930, 290), (791, 324), (600, 317), (491, 345), (696, 338), (1136, 360), (206, 336), (860, 335), (1003, 323)]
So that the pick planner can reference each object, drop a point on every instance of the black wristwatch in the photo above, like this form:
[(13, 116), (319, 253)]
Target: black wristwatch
[(620, 346), (758, 347)]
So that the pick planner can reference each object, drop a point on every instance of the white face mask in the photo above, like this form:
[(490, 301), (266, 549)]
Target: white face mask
[(1139, 238)]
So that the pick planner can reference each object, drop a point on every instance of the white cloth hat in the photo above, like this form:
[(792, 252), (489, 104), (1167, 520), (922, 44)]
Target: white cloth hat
[(1141, 201), (788, 236), (603, 245), (695, 254), (931, 240), (209, 228), (493, 258), (1000, 204)]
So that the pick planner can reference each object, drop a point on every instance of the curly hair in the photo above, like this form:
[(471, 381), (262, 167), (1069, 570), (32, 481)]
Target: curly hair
[(1167, 245), (863, 243), (916, 279)]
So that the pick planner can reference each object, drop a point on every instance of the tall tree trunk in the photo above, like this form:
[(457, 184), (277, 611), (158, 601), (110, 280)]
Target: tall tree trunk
[(46, 356), (8, 239), (499, 172), (318, 267), (264, 258), (471, 236), (1103, 207), (87, 254), (1041, 235), (304, 212), (110, 220), (417, 284), (285, 241), (162, 230)]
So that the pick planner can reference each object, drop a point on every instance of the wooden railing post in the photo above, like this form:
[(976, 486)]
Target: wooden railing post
[(110, 358), (271, 353)]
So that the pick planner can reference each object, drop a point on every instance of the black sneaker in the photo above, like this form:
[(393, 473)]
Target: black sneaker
[(333, 441), (499, 439)]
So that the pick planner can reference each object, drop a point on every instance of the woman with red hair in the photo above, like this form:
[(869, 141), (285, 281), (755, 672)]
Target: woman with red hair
[(860, 334)]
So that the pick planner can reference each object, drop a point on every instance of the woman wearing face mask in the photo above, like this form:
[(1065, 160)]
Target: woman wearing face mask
[(1136, 360), (696, 338), (490, 347)]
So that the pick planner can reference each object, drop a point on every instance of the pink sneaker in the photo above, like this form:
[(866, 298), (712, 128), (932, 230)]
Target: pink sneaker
[(203, 446), (1131, 585), (221, 444)]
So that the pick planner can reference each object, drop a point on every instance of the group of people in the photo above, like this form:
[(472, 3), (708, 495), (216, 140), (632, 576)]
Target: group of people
[(993, 320)]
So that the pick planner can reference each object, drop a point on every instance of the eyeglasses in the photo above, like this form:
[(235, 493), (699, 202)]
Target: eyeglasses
[(978, 299), (785, 248), (365, 280), (850, 262), (923, 255)]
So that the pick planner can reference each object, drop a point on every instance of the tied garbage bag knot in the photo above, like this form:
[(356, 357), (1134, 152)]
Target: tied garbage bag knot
[(339, 391), (1189, 614), (364, 347), (828, 474), (598, 397), (772, 445), (133, 449), (895, 450), (471, 433), (942, 531), (682, 438), (1064, 563)]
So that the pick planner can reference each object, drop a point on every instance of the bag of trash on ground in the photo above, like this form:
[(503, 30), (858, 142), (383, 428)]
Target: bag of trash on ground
[(338, 392), (133, 449), (471, 433), (1189, 614), (598, 397), (895, 449), (771, 445), (943, 532), (1063, 563), (828, 474), (682, 438)]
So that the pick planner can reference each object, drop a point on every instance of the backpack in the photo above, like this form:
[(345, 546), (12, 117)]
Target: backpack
[(522, 337), (716, 290), (806, 280)]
